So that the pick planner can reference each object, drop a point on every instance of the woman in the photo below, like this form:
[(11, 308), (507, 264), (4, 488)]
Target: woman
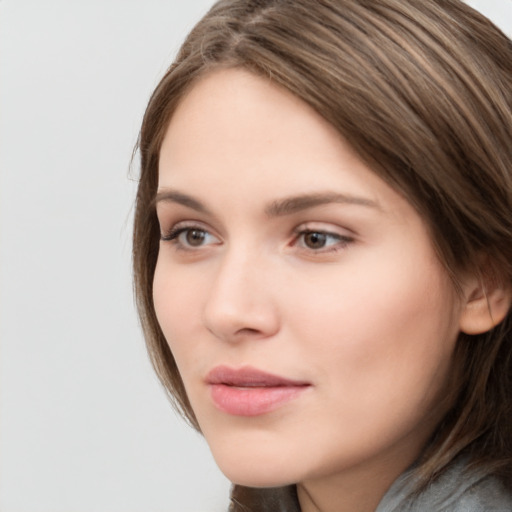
[(323, 248)]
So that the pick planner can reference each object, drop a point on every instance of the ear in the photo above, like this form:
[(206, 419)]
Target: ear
[(487, 301)]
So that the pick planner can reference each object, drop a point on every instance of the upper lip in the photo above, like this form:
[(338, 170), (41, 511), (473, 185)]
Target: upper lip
[(247, 376)]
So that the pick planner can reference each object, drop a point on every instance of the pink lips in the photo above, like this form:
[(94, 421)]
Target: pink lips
[(250, 392)]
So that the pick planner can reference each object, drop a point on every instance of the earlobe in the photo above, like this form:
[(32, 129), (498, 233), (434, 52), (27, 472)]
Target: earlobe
[(486, 305)]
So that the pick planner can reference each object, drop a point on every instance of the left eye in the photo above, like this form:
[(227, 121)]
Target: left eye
[(317, 240)]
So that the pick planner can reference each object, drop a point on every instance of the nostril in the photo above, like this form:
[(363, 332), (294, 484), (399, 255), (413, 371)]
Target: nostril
[(248, 331), (232, 314)]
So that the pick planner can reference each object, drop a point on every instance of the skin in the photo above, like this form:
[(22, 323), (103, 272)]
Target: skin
[(369, 319)]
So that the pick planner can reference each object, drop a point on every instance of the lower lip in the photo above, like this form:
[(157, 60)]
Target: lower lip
[(252, 401)]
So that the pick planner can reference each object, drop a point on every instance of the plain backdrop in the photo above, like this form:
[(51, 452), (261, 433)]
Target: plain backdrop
[(84, 424)]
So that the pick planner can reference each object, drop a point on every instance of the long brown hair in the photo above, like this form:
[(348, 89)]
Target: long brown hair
[(422, 90)]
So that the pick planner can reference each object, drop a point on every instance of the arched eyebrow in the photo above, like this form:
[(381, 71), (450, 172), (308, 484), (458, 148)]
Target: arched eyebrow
[(290, 205), (277, 208), (173, 196)]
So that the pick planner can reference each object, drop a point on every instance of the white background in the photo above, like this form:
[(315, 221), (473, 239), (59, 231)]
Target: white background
[(84, 424)]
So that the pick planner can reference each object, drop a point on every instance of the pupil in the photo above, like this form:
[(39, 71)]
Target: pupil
[(195, 237), (315, 240)]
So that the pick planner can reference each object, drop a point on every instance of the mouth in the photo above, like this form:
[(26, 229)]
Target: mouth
[(248, 391)]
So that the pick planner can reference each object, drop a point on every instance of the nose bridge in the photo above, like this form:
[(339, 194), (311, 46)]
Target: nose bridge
[(239, 300)]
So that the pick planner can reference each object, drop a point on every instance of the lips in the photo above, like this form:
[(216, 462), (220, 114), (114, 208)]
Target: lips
[(248, 391)]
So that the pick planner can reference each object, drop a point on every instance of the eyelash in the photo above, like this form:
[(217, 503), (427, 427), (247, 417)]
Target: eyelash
[(341, 241), (174, 234)]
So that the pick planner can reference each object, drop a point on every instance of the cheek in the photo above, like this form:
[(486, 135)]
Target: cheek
[(381, 329), (177, 298), (379, 345)]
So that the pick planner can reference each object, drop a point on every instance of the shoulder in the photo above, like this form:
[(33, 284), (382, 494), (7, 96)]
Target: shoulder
[(486, 495), (457, 490)]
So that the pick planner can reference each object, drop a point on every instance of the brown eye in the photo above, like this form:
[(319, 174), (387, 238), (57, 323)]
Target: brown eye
[(190, 237), (321, 241), (315, 240), (195, 237)]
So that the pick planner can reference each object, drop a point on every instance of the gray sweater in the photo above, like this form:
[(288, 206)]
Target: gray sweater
[(455, 491)]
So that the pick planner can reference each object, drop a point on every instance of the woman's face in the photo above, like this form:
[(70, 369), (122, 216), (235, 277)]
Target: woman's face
[(310, 319)]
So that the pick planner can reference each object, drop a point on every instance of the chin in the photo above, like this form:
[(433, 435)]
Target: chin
[(256, 477), (249, 470)]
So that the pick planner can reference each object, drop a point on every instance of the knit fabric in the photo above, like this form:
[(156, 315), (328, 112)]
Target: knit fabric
[(456, 490)]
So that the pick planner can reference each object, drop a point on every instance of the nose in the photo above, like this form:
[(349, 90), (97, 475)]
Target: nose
[(241, 301)]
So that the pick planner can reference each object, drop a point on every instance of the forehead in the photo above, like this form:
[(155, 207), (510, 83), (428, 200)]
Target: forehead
[(235, 109), (233, 123)]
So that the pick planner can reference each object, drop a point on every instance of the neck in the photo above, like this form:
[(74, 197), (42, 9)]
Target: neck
[(344, 494), (358, 488)]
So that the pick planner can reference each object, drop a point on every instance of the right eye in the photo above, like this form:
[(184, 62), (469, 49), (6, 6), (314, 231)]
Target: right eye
[(189, 237)]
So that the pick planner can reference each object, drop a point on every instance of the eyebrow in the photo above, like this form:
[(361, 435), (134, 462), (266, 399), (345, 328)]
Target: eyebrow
[(295, 204), (172, 196), (277, 208)]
